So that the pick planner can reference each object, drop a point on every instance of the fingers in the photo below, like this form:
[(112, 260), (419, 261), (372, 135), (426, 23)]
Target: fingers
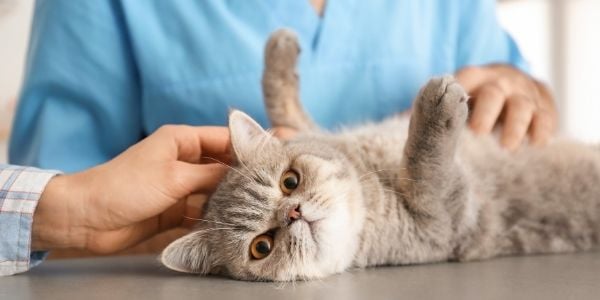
[(500, 90), (172, 217), (542, 128), (193, 143), (471, 78), (544, 121), (519, 113), (193, 210), (107, 242), (183, 214), (197, 178), (110, 241), (487, 107)]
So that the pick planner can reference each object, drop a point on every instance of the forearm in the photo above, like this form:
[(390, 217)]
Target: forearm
[(57, 220)]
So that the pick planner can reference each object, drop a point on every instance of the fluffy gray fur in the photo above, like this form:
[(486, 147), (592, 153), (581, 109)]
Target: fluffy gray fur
[(388, 193)]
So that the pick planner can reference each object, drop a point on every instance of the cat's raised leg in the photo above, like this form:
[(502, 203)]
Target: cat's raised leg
[(431, 178), (440, 113), (280, 82)]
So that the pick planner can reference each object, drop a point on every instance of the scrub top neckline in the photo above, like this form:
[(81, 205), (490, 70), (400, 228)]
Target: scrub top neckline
[(300, 16), (316, 33)]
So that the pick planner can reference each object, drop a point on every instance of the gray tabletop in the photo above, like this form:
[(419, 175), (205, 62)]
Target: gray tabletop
[(572, 276)]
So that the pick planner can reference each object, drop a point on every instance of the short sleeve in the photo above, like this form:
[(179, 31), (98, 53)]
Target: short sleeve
[(481, 38), (80, 103)]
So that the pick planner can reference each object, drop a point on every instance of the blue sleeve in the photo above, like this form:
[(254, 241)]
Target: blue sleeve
[(481, 38), (80, 101)]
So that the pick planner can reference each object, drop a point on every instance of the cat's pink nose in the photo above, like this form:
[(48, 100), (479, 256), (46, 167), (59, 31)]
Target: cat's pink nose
[(294, 213)]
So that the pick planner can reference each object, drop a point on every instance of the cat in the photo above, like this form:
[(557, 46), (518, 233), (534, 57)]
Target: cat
[(399, 192)]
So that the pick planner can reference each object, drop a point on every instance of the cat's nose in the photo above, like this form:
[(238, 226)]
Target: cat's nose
[(294, 213)]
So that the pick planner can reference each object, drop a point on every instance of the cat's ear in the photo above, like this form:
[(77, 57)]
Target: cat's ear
[(188, 254), (247, 135)]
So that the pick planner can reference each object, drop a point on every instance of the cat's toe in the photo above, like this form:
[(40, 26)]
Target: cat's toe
[(443, 100), (443, 91), (436, 87)]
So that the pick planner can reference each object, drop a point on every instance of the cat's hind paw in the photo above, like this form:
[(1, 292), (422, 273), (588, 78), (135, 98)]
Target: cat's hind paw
[(282, 51)]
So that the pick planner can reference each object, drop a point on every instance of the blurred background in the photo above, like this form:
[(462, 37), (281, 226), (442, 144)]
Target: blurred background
[(559, 38)]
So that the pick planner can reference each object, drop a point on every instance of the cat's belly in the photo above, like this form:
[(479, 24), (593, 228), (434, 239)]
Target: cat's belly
[(534, 200)]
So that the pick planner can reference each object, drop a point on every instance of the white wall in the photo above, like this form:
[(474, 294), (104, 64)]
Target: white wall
[(561, 39), (14, 30), (528, 22), (582, 69)]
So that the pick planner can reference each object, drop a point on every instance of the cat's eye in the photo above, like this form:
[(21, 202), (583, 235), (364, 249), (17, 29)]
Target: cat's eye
[(261, 246), (289, 181)]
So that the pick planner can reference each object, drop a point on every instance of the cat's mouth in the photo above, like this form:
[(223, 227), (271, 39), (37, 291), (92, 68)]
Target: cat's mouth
[(311, 224)]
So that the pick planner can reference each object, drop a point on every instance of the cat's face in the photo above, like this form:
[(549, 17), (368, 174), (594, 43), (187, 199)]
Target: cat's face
[(288, 211)]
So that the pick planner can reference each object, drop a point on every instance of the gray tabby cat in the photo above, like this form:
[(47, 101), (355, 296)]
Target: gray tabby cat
[(384, 194)]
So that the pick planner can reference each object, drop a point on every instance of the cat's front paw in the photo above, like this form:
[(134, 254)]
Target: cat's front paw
[(442, 103)]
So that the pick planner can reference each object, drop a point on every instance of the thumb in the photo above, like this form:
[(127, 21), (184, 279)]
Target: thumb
[(202, 178)]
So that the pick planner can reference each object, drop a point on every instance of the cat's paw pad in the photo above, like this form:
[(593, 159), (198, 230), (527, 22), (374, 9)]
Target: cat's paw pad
[(443, 101), (282, 50)]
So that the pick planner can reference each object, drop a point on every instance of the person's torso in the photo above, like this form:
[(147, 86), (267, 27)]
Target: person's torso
[(360, 61)]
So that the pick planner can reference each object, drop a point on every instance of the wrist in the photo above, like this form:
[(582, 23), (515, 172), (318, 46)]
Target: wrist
[(58, 221)]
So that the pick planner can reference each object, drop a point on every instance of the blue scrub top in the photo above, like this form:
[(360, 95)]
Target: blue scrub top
[(101, 75)]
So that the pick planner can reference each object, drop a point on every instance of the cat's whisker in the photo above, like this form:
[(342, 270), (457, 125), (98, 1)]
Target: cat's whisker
[(394, 191), (248, 170), (341, 197), (378, 171), (246, 167), (408, 179), (371, 172), (317, 199), (230, 167), (267, 136), (390, 177), (208, 221), (214, 229)]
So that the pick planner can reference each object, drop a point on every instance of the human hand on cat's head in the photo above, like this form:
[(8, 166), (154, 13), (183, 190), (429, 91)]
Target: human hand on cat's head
[(136, 195), (504, 95), (286, 211)]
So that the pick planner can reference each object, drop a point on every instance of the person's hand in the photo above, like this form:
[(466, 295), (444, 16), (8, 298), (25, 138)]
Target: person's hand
[(503, 94), (134, 196)]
